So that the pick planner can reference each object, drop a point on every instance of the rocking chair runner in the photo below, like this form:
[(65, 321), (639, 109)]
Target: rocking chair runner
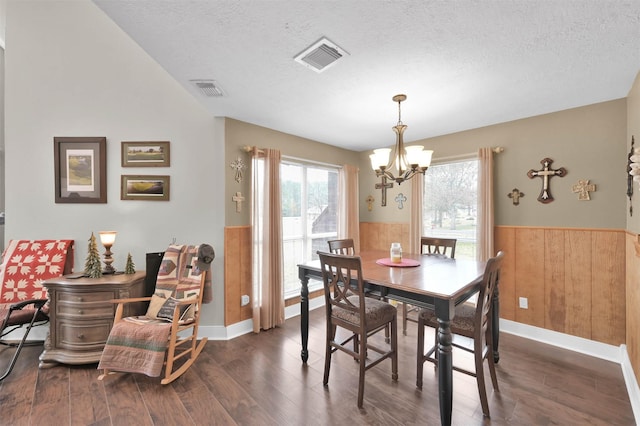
[(23, 300), (167, 334)]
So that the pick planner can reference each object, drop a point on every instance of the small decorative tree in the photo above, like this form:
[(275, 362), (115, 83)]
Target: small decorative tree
[(92, 265), (129, 267)]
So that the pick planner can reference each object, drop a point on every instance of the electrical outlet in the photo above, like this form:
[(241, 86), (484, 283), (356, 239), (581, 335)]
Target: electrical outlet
[(244, 300), (524, 302)]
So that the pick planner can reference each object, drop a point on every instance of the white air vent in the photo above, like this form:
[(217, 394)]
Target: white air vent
[(208, 88), (320, 55)]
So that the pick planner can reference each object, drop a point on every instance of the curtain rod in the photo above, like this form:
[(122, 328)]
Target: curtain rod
[(248, 148), (496, 150)]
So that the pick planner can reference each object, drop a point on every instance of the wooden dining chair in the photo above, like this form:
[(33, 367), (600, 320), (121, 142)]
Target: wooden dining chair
[(344, 246), (471, 322), (429, 246), (348, 308)]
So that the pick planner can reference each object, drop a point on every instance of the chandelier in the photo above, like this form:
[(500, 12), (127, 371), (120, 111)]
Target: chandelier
[(410, 161)]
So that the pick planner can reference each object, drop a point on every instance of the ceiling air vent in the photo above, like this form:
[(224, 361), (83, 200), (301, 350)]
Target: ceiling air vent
[(208, 88), (320, 55)]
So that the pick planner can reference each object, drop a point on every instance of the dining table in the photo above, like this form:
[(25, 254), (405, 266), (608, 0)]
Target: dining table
[(428, 281)]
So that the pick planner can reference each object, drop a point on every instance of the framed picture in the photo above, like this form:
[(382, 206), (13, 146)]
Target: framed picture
[(146, 154), (144, 187), (80, 167)]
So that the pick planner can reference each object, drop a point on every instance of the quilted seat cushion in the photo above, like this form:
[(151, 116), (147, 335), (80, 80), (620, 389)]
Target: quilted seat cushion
[(376, 312), (462, 323)]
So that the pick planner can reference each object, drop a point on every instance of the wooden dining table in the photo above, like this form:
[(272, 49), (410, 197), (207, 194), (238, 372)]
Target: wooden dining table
[(436, 282)]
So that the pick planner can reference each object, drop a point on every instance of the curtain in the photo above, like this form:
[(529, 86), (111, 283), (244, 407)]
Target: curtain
[(415, 220), (485, 205), (348, 202), (266, 224)]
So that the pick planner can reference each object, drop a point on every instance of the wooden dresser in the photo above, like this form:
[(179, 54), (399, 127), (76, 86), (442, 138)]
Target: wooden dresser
[(81, 315)]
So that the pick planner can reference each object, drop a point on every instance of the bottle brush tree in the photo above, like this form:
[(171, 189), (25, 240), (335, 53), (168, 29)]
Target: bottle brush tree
[(129, 267), (92, 265)]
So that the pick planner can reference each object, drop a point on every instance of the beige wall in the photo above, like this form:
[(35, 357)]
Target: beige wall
[(588, 141), (239, 134)]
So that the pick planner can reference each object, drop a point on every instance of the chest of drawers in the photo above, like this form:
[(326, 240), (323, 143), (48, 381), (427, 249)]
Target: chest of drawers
[(81, 315)]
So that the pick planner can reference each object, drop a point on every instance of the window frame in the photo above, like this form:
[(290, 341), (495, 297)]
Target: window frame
[(306, 164)]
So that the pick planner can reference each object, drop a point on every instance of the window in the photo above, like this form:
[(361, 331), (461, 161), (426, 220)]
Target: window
[(309, 216), (449, 208)]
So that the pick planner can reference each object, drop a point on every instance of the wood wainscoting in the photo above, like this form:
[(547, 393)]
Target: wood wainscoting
[(379, 236), (633, 302), (237, 273), (574, 280)]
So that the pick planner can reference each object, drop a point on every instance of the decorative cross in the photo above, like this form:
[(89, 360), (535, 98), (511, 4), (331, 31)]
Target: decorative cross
[(546, 173), (238, 165), (370, 201), (238, 199), (515, 195), (383, 186), (400, 198), (629, 177), (582, 188)]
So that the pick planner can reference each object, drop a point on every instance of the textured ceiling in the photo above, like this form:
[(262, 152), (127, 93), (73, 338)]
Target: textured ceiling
[(463, 64)]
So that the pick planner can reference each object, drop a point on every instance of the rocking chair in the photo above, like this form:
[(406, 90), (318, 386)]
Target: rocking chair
[(167, 334)]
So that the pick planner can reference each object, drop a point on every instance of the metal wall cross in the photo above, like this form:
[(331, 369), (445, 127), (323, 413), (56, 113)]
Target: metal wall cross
[(400, 199), (383, 186), (546, 173)]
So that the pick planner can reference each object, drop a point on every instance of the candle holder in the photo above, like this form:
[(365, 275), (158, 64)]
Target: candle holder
[(107, 238)]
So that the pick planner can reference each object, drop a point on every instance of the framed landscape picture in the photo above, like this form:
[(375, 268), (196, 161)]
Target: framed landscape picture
[(80, 167), (144, 187), (146, 154)]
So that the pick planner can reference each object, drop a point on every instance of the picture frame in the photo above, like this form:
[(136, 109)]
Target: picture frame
[(145, 187), (146, 154), (80, 169)]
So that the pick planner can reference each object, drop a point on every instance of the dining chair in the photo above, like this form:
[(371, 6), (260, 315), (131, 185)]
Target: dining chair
[(471, 322), (362, 317), (344, 246), (429, 246)]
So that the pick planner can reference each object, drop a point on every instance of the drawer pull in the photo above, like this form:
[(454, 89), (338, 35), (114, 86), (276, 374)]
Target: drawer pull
[(80, 299), (80, 336), (80, 311)]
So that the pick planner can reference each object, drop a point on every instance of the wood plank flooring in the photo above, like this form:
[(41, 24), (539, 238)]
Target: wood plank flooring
[(260, 380)]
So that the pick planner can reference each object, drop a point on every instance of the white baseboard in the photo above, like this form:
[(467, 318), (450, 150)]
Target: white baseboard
[(561, 340), (632, 384)]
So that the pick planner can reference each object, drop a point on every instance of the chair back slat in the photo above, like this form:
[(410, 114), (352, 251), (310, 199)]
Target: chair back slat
[(344, 246), (438, 246), (490, 281), (342, 278)]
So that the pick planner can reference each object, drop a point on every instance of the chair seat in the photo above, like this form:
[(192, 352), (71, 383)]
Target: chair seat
[(462, 323), (376, 312)]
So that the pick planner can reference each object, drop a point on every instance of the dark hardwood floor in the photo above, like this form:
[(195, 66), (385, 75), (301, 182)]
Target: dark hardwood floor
[(260, 380)]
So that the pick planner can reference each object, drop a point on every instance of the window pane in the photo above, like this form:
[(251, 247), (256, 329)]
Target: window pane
[(450, 204), (309, 216)]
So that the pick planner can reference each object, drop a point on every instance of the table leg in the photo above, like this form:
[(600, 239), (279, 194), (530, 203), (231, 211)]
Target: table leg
[(495, 323), (445, 371), (304, 317)]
